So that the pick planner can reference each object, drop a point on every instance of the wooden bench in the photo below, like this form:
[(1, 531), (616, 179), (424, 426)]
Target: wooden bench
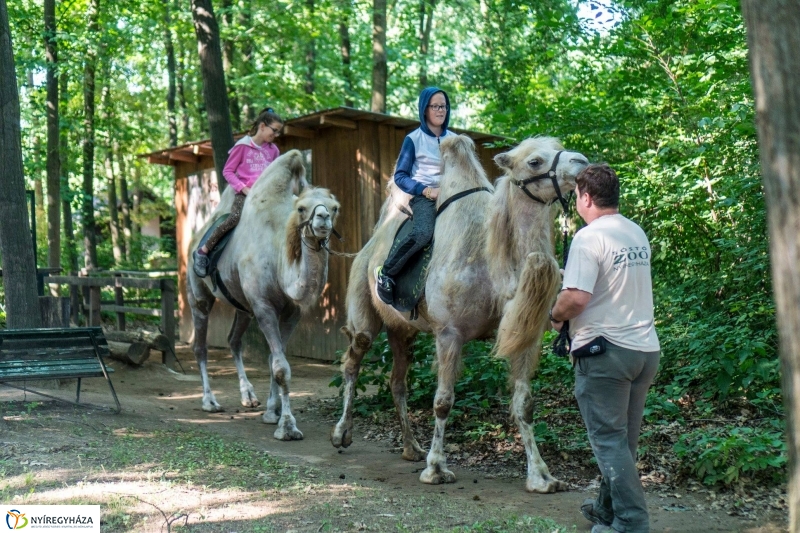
[(68, 353)]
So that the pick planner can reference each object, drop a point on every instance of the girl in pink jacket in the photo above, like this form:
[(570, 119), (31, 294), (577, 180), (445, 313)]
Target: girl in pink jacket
[(246, 161)]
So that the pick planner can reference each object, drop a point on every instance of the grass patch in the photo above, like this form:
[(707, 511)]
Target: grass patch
[(202, 458)]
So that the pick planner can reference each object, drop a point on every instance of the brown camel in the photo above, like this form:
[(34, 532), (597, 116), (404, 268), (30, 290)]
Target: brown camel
[(276, 266), (492, 269)]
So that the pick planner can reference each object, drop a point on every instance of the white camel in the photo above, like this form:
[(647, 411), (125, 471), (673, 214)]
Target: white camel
[(275, 265), (492, 268)]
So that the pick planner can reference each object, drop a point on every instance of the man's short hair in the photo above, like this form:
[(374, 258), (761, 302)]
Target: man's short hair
[(601, 183)]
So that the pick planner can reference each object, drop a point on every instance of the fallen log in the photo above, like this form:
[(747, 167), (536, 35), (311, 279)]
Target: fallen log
[(133, 353), (134, 347)]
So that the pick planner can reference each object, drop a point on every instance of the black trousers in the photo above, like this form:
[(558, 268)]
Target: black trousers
[(421, 234)]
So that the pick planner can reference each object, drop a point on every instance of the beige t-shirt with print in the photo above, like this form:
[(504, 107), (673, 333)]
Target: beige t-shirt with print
[(610, 258)]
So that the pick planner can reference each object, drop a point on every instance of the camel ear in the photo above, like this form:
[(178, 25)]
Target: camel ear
[(503, 161)]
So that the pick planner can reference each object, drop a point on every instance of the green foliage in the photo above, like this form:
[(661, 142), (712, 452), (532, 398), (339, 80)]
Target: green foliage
[(724, 455)]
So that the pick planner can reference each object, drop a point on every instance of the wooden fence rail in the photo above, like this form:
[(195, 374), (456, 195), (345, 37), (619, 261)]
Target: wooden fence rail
[(92, 304)]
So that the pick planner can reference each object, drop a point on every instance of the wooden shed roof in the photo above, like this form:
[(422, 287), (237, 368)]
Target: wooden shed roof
[(306, 126)]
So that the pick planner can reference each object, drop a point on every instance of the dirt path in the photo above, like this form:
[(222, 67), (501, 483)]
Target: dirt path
[(152, 395)]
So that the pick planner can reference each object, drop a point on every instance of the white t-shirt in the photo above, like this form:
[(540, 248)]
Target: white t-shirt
[(610, 258)]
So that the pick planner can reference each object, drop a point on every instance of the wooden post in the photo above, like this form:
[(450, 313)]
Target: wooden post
[(94, 306), (168, 319), (74, 305), (119, 299)]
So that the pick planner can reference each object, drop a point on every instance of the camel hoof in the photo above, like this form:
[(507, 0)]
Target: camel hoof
[(251, 403), (546, 486), (212, 407), (437, 476), (288, 434), (341, 441), (413, 454), (270, 417)]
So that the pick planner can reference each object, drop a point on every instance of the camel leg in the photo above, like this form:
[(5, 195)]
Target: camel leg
[(281, 373), (239, 326), (401, 341), (360, 343), (448, 353), (273, 412), (539, 478), (522, 328), (363, 325), (200, 311)]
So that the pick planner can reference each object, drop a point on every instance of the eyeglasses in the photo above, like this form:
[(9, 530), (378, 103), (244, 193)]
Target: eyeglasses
[(276, 132), (438, 108)]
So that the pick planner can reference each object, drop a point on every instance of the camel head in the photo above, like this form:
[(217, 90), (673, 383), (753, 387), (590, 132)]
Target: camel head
[(542, 169), (315, 213)]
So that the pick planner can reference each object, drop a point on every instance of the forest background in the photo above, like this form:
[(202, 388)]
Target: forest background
[(659, 89)]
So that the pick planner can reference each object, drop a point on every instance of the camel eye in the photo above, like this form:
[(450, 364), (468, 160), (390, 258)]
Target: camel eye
[(335, 209), (301, 210), (535, 163)]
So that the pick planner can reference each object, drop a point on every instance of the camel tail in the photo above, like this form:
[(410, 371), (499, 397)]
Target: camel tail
[(525, 316)]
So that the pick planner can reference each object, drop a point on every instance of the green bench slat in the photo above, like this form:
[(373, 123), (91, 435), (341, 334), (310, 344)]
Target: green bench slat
[(29, 370), (37, 341)]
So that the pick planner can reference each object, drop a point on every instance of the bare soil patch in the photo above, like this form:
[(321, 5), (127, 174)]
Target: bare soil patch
[(165, 465)]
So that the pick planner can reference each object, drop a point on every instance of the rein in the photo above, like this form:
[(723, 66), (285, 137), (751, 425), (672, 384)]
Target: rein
[(522, 184), (458, 196)]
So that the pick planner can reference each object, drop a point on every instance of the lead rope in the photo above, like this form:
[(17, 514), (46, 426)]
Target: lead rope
[(561, 343)]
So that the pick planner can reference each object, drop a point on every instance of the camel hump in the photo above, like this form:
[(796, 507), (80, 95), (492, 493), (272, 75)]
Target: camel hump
[(294, 161), (457, 145)]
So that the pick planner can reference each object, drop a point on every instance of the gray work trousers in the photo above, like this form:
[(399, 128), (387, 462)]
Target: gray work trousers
[(611, 390)]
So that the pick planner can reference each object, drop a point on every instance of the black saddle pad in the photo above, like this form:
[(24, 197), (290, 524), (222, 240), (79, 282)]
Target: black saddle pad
[(216, 253), (410, 282)]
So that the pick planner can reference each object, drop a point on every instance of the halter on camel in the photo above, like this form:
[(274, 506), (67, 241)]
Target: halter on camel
[(322, 243), (549, 174)]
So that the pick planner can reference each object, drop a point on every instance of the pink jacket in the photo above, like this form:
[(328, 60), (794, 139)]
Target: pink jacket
[(246, 162)]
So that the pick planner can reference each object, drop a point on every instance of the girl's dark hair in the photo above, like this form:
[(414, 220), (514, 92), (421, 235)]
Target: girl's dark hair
[(267, 116)]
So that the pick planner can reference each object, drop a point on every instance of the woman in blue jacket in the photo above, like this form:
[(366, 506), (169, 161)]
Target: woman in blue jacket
[(418, 173)]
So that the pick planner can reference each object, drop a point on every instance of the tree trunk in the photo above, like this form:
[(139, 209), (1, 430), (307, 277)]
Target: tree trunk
[(136, 230), (214, 93), (344, 47), (124, 199), (228, 50), (773, 40), (379, 69), (16, 248), (181, 73), (246, 21), (66, 196), (425, 26), (171, 117), (311, 52), (87, 211), (113, 211), (53, 161)]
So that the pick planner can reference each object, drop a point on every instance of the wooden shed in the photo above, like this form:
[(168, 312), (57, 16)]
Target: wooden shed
[(352, 153)]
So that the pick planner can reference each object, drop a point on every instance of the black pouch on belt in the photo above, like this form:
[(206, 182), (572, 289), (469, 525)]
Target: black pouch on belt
[(596, 346)]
